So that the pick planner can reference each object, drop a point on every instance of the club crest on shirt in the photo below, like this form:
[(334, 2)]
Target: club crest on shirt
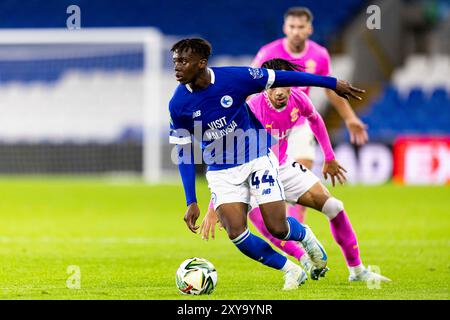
[(256, 73), (226, 101), (311, 66)]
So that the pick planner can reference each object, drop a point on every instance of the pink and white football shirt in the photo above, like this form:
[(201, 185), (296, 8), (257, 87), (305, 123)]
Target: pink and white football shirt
[(279, 122)]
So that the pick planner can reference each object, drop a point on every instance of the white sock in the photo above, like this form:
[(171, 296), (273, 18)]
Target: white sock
[(289, 265), (305, 260), (356, 270)]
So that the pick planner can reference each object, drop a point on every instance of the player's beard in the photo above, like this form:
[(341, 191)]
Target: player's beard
[(298, 44)]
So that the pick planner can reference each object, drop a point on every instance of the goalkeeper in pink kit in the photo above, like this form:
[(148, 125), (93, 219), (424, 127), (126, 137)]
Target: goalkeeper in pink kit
[(279, 110)]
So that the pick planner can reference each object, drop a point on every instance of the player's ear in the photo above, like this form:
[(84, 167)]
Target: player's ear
[(311, 29), (203, 63), (284, 28)]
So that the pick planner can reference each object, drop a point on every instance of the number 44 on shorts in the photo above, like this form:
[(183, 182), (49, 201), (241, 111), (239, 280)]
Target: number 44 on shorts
[(266, 178)]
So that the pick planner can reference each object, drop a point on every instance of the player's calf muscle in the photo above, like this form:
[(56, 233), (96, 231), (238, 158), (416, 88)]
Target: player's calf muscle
[(232, 220), (277, 227), (274, 215), (278, 231)]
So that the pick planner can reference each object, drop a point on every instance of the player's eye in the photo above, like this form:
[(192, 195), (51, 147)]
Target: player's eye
[(182, 62)]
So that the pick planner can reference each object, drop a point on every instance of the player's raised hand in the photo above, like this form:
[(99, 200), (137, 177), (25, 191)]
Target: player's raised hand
[(191, 216), (334, 169), (209, 224), (345, 89), (357, 130)]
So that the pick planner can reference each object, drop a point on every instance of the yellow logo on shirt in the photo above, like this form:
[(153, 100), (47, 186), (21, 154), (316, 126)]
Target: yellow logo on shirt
[(294, 114), (311, 66)]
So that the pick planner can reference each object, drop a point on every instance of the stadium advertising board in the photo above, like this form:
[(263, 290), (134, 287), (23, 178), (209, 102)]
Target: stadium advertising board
[(422, 160), (411, 160)]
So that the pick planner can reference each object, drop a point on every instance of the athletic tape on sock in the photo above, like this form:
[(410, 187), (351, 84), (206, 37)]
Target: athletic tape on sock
[(332, 207)]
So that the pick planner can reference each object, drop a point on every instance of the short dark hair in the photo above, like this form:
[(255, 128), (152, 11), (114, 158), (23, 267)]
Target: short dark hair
[(299, 12), (281, 64), (197, 45)]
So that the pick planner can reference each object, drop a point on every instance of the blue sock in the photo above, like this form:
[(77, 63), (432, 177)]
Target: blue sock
[(296, 232), (259, 250)]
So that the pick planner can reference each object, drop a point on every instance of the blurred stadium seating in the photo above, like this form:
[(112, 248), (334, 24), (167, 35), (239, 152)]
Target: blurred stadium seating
[(222, 22), (75, 102), (67, 83), (417, 101)]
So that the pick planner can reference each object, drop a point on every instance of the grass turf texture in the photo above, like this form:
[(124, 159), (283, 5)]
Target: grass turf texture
[(128, 240)]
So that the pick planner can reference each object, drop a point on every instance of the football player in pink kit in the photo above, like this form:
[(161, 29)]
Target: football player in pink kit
[(279, 110), (299, 49)]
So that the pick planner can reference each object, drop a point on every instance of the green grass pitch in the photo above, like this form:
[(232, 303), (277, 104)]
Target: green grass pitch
[(128, 239)]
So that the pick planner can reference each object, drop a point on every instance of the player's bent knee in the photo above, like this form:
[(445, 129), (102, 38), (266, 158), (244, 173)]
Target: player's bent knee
[(235, 233), (237, 238), (279, 232), (332, 207)]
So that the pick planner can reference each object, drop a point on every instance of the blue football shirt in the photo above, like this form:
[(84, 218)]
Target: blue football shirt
[(219, 118)]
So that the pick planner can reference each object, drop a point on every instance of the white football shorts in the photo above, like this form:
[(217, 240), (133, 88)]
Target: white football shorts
[(296, 180), (258, 179), (302, 143)]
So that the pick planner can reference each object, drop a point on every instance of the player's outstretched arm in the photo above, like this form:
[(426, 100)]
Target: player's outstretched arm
[(331, 166), (345, 89), (316, 124), (296, 79), (319, 130)]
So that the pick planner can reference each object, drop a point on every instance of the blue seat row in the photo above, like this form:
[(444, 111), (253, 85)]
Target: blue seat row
[(418, 112), (233, 26)]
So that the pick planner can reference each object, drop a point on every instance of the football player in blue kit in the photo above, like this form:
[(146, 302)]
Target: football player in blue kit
[(209, 105)]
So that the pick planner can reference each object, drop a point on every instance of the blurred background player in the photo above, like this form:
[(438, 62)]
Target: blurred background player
[(299, 49), (279, 110)]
